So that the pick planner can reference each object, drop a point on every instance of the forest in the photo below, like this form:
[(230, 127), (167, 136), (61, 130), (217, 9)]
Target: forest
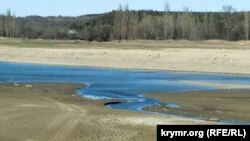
[(125, 24)]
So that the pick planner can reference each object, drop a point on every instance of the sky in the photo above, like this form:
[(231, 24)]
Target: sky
[(82, 7)]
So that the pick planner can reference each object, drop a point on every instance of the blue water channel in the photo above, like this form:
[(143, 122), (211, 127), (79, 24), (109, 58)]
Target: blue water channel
[(119, 84)]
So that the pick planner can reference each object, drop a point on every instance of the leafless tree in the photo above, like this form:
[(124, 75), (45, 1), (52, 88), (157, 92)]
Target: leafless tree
[(183, 21), (9, 27), (122, 23), (118, 22), (168, 23), (246, 25)]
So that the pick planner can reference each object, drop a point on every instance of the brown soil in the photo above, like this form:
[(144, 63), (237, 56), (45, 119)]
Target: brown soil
[(229, 105)]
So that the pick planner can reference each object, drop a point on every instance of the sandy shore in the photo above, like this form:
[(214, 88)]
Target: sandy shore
[(53, 112), (207, 56), (228, 105)]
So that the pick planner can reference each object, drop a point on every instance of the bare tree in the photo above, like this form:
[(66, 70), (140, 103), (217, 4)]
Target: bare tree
[(206, 26), (122, 23), (9, 25), (118, 22), (133, 22), (213, 33), (125, 22), (246, 25), (193, 34), (183, 20), (2, 24), (227, 20), (168, 23), (228, 9)]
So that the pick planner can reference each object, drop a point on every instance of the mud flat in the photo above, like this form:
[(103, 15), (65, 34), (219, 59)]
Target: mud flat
[(53, 111), (211, 105)]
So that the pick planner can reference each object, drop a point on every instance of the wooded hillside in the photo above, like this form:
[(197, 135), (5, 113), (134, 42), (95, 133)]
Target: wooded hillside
[(125, 24)]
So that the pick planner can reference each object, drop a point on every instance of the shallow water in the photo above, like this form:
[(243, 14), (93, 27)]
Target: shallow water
[(126, 85)]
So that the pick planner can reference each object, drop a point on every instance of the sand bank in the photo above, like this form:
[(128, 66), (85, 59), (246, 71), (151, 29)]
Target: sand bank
[(209, 56)]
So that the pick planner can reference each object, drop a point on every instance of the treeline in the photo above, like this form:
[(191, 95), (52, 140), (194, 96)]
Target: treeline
[(125, 24), (8, 25)]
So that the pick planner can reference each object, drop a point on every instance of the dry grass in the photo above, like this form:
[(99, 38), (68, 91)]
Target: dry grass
[(131, 44)]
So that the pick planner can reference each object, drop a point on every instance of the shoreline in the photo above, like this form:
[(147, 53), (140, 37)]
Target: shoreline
[(179, 56), (214, 105), (125, 68), (54, 111)]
